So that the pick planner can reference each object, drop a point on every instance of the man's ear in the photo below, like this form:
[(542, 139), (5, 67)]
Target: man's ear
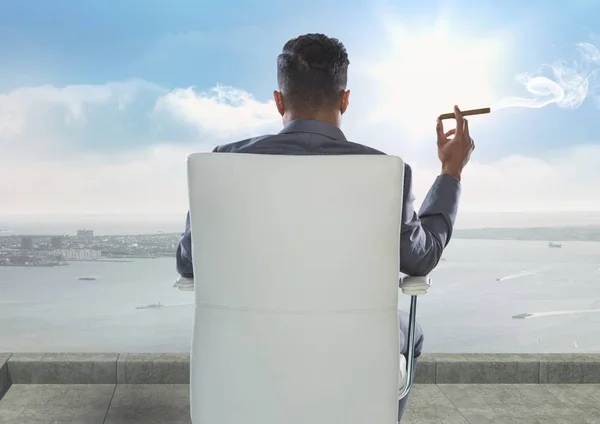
[(279, 102), (345, 101)]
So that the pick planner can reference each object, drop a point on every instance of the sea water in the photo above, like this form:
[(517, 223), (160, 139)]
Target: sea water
[(477, 290)]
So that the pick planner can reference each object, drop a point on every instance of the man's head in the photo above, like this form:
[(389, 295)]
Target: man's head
[(312, 73)]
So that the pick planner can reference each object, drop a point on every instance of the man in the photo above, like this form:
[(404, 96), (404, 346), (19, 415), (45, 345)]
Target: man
[(312, 76)]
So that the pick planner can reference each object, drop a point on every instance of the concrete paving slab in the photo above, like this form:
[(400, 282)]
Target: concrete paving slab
[(582, 398), (428, 404), (510, 403), (56, 403), (150, 404)]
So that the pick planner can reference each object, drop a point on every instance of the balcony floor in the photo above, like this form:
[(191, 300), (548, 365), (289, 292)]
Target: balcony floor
[(429, 403)]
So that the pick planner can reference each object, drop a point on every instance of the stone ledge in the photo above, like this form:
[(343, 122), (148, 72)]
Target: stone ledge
[(153, 368), (63, 368), (5, 382), (509, 369), (173, 368)]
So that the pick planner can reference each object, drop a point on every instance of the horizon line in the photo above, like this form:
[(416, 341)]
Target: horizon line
[(545, 212)]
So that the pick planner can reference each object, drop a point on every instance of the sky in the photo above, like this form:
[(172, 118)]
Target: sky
[(101, 102)]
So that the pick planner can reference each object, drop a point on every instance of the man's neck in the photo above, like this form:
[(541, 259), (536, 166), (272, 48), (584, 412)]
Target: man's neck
[(332, 118)]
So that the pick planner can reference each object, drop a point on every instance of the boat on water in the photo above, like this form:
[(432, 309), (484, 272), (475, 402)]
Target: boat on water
[(87, 279), (152, 306), (554, 245)]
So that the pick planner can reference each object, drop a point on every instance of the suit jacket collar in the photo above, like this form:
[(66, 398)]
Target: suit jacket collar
[(315, 127)]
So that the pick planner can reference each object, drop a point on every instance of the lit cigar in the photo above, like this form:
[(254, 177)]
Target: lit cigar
[(467, 113)]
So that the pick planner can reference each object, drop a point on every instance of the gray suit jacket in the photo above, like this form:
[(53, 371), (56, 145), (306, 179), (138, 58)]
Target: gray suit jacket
[(423, 236)]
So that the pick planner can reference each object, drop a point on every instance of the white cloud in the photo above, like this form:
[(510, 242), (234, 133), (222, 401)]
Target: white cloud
[(149, 181), (565, 181), (153, 180), (72, 98), (41, 121), (224, 113), (124, 145), (39, 171)]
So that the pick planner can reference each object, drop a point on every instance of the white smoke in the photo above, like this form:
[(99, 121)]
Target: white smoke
[(568, 86)]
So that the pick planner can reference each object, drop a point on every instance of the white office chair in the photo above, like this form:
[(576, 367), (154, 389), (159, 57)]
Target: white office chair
[(296, 263)]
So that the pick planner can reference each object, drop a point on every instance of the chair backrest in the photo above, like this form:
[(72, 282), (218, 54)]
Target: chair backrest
[(296, 263)]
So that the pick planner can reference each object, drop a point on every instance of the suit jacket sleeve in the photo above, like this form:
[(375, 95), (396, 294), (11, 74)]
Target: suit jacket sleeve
[(185, 265), (424, 236)]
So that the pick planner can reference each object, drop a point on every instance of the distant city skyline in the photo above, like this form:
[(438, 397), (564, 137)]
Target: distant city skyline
[(69, 224), (99, 116)]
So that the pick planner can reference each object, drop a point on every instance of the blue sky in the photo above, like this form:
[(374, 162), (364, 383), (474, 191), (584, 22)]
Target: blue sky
[(103, 84)]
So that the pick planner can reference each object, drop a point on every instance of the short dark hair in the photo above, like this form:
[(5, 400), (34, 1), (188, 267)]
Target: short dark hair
[(312, 72)]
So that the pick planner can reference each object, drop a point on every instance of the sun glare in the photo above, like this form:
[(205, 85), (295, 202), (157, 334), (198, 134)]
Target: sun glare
[(421, 72)]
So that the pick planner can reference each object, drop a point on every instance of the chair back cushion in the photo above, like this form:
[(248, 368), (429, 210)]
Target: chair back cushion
[(296, 263)]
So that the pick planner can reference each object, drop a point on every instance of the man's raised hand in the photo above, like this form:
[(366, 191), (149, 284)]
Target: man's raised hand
[(454, 146)]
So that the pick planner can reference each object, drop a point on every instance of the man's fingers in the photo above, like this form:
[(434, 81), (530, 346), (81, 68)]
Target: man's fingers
[(450, 132), (439, 127), (471, 149), (459, 122), (466, 130)]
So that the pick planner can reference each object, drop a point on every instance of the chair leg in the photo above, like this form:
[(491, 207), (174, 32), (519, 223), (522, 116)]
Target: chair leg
[(410, 339)]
